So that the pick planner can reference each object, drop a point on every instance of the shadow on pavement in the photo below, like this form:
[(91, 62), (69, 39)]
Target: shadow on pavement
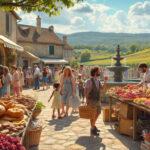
[(91, 143), (60, 124), (127, 141)]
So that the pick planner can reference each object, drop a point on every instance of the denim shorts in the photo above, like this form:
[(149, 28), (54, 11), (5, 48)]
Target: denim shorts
[(45, 79)]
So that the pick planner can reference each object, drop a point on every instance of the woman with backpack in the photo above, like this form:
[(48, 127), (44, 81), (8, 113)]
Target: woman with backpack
[(93, 89)]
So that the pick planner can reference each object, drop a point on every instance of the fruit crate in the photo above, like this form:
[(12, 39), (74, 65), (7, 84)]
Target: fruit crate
[(126, 111), (126, 126)]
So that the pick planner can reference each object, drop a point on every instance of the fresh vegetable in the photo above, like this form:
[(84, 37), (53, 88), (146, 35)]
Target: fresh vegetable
[(39, 105)]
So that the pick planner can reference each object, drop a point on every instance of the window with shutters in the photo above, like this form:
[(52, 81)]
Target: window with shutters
[(51, 49), (7, 24)]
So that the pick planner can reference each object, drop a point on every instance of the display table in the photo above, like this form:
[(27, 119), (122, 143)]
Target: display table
[(17, 121), (136, 108)]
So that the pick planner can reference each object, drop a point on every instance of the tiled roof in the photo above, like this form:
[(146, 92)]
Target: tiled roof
[(67, 47), (26, 33)]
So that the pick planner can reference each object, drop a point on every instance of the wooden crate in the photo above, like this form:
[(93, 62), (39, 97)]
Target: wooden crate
[(126, 126), (106, 115), (145, 146), (126, 111)]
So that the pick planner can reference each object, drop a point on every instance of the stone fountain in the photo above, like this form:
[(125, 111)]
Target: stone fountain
[(118, 69)]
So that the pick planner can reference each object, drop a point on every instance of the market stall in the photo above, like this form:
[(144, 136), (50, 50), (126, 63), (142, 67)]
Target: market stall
[(15, 115), (134, 101)]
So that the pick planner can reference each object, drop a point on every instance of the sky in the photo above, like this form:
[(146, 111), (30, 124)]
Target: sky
[(119, 16)]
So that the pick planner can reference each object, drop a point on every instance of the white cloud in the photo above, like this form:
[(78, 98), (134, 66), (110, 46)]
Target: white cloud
[(27, 18), (139, 17), (88, 16), (140, 9), (77, 21), (83, 8)]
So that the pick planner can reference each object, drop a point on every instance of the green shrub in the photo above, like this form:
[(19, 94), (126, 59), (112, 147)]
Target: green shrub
[(39, 105)]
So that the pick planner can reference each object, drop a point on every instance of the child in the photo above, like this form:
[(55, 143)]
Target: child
[(56, 104)]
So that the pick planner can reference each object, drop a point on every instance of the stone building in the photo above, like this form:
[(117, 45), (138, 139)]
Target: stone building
[(8, 33), (43, 43)]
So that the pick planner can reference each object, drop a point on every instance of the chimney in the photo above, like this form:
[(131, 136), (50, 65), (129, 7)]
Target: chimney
[(51, 28), (64, 39), (38, 23)]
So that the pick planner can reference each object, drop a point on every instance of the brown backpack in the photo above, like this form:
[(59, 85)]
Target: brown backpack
[(94, 94)]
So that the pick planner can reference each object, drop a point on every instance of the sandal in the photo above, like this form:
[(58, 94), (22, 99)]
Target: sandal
[(53, 116), (62, 113), (60, 117), (66, 115)]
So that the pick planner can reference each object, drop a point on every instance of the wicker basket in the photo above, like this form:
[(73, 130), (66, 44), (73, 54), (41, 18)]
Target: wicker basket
[(87, 112), (36, 113), (32, 137)]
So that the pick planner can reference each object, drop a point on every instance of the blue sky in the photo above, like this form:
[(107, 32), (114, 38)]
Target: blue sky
[(127, 16)]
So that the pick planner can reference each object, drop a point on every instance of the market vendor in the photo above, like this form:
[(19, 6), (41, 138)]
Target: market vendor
[(143, 68)]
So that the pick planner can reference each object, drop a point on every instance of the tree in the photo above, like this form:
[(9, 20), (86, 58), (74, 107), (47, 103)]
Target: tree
[(51, 7), (133, 48), (85, 56), (74, 63)]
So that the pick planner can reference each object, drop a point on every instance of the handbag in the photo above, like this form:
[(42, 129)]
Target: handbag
[(87, 112)]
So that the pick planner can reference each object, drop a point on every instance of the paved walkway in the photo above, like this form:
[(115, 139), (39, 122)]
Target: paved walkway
[(72, 133)]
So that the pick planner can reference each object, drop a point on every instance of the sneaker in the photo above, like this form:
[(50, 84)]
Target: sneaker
[(94, 132), (97, 130)]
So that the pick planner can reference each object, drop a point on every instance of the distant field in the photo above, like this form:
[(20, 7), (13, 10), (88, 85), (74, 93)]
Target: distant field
[(104, 58)]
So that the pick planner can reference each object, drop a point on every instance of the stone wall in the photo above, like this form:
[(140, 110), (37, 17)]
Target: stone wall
[(68, 54), (13, 26), (42, 50)]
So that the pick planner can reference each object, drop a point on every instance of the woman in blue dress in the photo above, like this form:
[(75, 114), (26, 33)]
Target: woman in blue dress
[(67, 89)]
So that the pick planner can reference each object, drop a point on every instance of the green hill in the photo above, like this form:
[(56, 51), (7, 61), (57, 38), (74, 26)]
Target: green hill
[(107, 40), (105, 58)]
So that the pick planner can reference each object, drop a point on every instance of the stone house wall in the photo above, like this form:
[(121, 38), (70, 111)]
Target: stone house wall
[(42, 50), (68, 54), (13, 26)]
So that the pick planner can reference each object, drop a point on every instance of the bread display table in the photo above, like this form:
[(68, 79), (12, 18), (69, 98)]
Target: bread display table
[(16, 115)]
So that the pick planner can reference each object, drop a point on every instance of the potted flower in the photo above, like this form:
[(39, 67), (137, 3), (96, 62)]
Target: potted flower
[(38, 108)]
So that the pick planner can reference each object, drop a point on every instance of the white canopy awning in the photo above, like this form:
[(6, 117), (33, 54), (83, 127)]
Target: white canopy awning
[(10, 44), (54, 61), (32, 56)]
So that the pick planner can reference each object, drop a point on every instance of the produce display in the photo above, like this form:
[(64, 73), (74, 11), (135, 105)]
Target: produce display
[(142, 101), (10, 143), (14, 114), (134, 93)]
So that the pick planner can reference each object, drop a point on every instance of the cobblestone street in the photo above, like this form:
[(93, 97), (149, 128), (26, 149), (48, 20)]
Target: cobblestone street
[(72, 133)]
